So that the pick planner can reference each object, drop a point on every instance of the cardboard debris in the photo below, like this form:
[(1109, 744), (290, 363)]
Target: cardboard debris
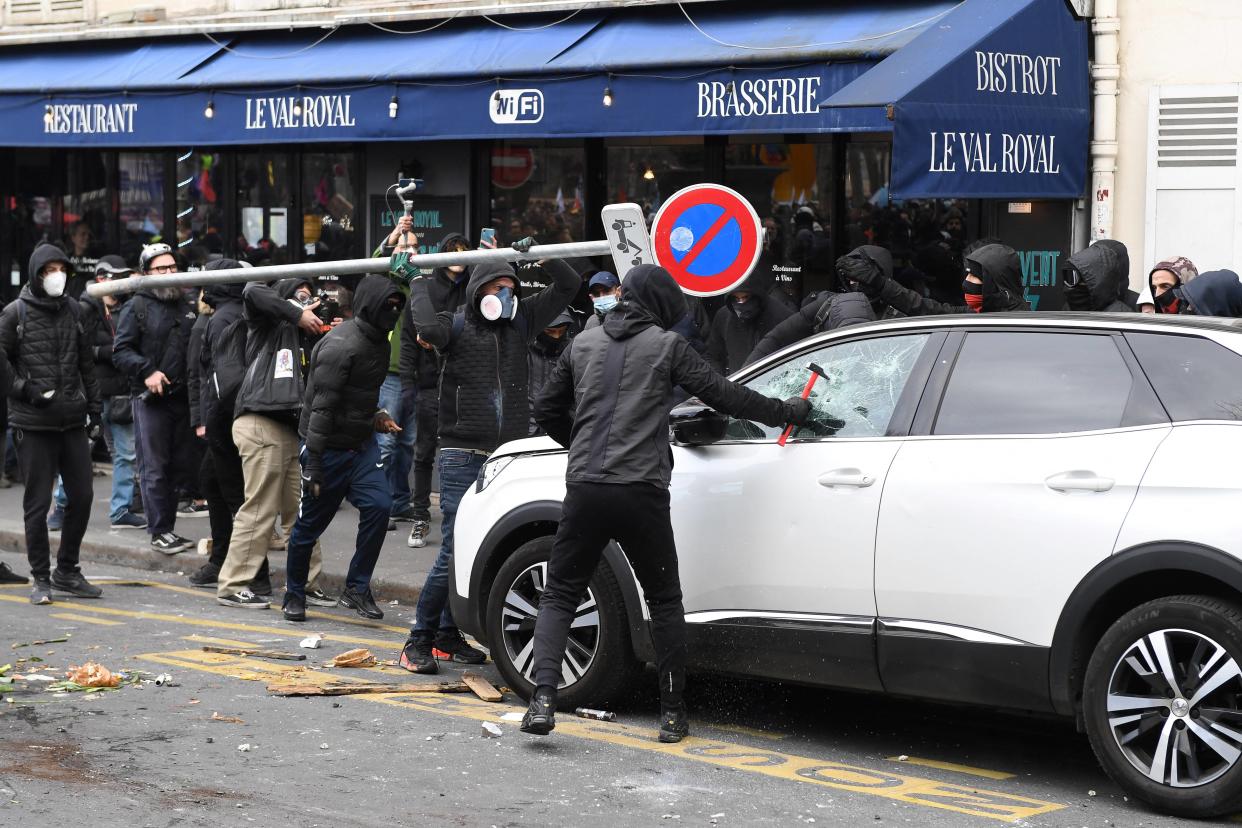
[(491, 730), (246, 651), (216, 717), (92, 674), (312, 641), (481, 687), (354, 658), (296, 689)]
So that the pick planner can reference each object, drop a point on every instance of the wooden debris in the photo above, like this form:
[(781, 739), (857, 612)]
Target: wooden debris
[(481, 687), (302, 689), (216, 717), (243, 651)]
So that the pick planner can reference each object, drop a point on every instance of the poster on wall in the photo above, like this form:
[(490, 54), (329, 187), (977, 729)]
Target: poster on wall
[(434, 218)]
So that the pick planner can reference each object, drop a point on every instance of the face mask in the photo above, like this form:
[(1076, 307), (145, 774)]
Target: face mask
[(1169, 302), (54, 283), (388, 316), (974, 295), (603, 304), (746, 311), (551, 345), (499, 305)]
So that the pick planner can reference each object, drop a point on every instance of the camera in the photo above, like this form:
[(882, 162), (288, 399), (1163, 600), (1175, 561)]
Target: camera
[(147, 395), (329, 307)]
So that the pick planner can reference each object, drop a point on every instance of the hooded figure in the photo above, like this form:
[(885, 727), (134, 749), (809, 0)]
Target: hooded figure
[(606, 401), (1096, 278), (1215, 293), (543, 353), (225, 302), (993, 284), (1159, 291), (739, 326)]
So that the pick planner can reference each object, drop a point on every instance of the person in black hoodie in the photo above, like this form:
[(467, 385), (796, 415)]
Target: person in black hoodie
[(340, 457), (1097, 279), (993, 284), (542, 356), (53, 399), (483, 403), (606, 401), (151, 347), (747, 317), (1215, 293), (420, 368)]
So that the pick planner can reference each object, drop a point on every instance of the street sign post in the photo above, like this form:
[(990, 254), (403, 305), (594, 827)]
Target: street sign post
[(627, 236), (708, 237)]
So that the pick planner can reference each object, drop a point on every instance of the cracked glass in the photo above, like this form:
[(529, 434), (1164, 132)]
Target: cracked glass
[(864, 380)]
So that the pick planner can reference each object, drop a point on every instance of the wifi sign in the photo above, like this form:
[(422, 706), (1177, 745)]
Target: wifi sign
[(516, 106)]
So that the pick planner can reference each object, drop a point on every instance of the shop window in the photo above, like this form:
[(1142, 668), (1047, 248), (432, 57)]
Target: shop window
[(140, 179), (647, 174), (329, 211), (263, 201), (30, 213), (200, 211), (538, 190), (84, 216)]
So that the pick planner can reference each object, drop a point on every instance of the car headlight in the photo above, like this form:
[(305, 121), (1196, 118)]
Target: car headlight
[(491, 469)]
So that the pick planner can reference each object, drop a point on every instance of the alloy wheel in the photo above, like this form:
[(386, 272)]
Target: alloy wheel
[(518, 627)]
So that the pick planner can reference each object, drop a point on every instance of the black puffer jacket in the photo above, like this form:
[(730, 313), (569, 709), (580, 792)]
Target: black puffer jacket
[(154, 335), (50, 352), (347, 368), (996, 264), (608, 397), (100, 327), (421, 366), (732, 339), (1104, 270), (826, 313), (483, 388), (226, 300), (276, 349)]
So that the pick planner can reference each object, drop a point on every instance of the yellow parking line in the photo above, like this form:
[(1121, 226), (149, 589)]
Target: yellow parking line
[(952, 766), (69, 616)]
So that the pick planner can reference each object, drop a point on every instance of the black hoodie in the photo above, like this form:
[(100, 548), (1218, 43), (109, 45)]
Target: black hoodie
[(1105, 271), (216, 376), (996, 264), (732, 339), (483, 388), (276, 349), (447, 290), (607, 399), (347, 368), (1215, 293)]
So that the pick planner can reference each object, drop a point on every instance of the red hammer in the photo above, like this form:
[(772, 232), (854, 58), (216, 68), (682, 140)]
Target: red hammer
[(816, 373)]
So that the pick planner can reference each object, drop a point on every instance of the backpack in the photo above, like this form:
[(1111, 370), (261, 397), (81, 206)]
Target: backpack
[(228, 357), (23, 312)]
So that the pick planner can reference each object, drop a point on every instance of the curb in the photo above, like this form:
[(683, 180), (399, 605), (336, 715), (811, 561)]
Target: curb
[(118, 554)]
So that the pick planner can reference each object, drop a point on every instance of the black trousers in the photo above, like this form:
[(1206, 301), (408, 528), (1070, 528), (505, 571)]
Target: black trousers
[(43, 455), (636, 515), (222, 482), (426, 440)]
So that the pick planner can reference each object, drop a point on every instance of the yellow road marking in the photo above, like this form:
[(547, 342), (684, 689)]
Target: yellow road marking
[(69, 616), (786, 766), (219, 642), (952, 766)]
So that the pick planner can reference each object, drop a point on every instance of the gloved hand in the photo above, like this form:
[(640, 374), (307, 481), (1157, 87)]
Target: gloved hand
[(859, 269), (34, 394), (797, 411), (399, 268), (312, 475), (94, 426), (524, 245)]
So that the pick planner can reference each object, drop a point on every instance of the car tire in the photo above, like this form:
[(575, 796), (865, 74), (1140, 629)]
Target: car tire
[(1161, 684), (604, 652)]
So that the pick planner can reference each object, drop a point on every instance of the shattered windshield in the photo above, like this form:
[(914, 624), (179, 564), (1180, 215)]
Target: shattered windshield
[(864, 381)]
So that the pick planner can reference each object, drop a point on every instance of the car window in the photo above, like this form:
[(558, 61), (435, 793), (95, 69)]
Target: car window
[(865, 380), (1039, 383), (1195, 378)]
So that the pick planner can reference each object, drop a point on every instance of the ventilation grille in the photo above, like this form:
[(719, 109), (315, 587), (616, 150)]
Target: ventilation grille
[(33, 12), (1198, 132)]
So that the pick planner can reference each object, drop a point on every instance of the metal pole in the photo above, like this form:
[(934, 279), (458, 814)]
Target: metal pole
[(312, 270)]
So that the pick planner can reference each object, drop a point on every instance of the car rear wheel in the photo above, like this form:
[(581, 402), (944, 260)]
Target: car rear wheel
[(598, 664), (1162, 700)]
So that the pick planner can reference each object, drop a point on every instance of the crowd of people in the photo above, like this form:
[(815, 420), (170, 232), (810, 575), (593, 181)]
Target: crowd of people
[(285, 399)]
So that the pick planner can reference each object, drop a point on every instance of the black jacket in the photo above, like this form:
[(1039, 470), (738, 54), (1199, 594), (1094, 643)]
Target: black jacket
[(347, 368), (541, 359), (732, 339), (276, 350), (608, 397), (1104, 271), (421, 366), (51, 352), (227, 303), (826, 313), (100, 327), (483, 388), (996, 264), (1215, 293), (194, 365), (154, 335)]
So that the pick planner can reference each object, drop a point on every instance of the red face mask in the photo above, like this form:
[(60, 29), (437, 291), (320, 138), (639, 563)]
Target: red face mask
[(975, 301)]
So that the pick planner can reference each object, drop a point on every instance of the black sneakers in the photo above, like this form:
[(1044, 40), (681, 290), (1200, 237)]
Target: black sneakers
[(674, 724), (245, 599), (205, 576), (318, 598), (8, 576), (416, 655), (294, 608), (169, 543), (261, 587), (418, 534), (540, 718), (74, 584), (42, 593), (454, 647), (362, 603)]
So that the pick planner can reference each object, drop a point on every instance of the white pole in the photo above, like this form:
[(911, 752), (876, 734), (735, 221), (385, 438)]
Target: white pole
[(1105, 74)]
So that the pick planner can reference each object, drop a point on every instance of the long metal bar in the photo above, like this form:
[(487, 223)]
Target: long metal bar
[(312, 270)]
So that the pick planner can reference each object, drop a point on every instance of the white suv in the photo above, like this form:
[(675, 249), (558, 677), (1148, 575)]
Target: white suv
[(1030, 511)]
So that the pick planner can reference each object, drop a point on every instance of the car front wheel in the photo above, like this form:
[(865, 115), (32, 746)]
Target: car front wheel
[(1162, 700), (598, 664)]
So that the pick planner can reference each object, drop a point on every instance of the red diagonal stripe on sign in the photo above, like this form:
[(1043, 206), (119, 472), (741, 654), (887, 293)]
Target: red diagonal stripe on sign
[(705, 240)]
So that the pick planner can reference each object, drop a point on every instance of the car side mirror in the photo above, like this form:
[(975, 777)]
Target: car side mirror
[(695, 424)]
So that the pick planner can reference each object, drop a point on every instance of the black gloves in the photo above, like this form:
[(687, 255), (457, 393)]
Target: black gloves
[(524, 245), (312, 475), (852, 269), (34, 394), (797, 411), (94, 426)]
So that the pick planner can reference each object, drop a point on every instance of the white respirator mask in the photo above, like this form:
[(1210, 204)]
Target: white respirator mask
[(54, 283)]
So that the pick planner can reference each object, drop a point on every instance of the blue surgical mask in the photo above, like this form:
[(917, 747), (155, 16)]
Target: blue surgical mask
[(603, 304)]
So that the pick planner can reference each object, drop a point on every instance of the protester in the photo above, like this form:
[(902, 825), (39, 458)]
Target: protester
[(1097, 278), (281, 328), (1215, 293), (604, 288), (993, 284), (606, 402), (747, 317), (420, 367), (542, 356), (483, 403), (152, 339), (53, 400), (398, 398), (340, 458), (1166, 275)]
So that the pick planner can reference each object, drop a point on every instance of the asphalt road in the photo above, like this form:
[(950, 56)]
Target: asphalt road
[(760, 754)]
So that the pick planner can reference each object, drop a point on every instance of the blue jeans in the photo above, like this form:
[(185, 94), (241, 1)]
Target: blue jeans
[(397, 450), (121, 444), (358, 476), (458, 471)]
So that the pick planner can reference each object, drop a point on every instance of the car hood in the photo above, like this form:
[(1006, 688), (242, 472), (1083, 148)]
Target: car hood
[(528, 445)]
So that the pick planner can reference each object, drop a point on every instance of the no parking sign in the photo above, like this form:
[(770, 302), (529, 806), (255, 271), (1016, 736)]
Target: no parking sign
[(708, 237)]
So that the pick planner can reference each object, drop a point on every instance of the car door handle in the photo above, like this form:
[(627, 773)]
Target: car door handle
[(1079, 481), (845, 477)]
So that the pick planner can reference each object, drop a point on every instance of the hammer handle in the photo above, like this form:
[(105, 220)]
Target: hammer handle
[(806, 394)]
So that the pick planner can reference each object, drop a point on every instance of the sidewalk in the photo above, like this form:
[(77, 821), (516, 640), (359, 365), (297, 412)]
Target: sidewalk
[(399, 574)]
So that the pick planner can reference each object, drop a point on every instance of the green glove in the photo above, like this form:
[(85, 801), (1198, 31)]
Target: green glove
[(400, 268)]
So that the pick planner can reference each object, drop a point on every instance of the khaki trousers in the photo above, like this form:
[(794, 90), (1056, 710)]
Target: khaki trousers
[(269, 456)]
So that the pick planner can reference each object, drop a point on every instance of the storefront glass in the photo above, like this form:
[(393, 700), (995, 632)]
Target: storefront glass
[(200, 210), (84, 215), (330, 211), (537, 189), (647, 174), (30, 211), (263, 202), (140, 179)]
